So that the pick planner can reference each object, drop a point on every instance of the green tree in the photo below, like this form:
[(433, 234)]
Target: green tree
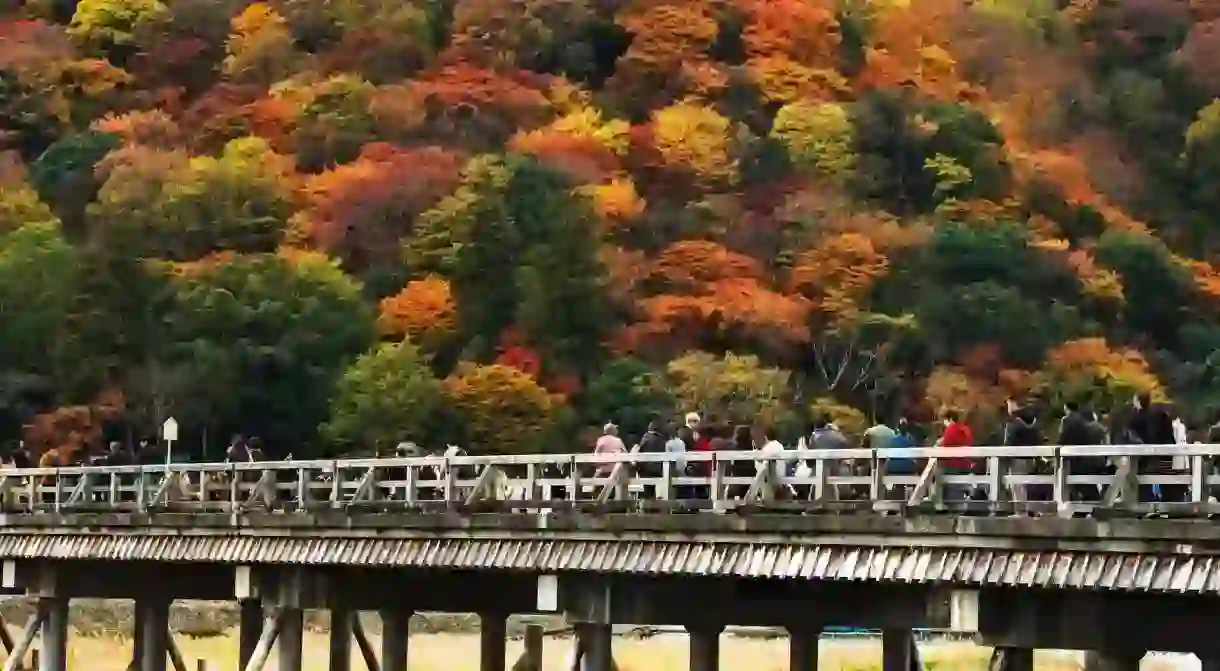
[(39, 287), (1159, 291), (629, 392), (956, 319), (385, 396), (521, 222), (64, 174), (334, 123), (563, 307), (167, 205), (281, 329)]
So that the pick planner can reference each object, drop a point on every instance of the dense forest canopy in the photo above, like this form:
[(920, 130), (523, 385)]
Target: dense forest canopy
[(337, 224)]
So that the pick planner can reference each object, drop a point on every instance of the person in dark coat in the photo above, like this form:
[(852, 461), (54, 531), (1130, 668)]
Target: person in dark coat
[(1153, 425), (653, 442), (1022, 430), (1080, 427)]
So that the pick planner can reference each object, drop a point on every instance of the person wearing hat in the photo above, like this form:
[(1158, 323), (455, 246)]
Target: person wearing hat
[(609, 443)]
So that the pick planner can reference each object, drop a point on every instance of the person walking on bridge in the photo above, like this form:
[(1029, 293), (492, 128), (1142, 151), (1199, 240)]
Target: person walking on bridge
[(608, 443), (827, 436), (653, 442), (957, 434), (1080, 427), (1021, 430), (1152, 425)]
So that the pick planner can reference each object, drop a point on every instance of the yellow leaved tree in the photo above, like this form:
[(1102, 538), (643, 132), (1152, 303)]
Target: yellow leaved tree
[(1090, 369), (737, 388), (500, 409), (695, 138), (260, 47), (820, 137)]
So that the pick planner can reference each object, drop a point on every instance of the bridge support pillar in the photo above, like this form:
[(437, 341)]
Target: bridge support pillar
[(152, 633), (249, 629), (292, 631), (704, 647), (803, 649), (340, 638), (1004, 658), (594, 647), (898, 651), (394, 631), (54, 633), (492, 634), (1112, 660)]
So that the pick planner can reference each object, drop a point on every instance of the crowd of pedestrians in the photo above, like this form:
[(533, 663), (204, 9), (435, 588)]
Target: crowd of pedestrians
[(1140, 422), (1143, 422)]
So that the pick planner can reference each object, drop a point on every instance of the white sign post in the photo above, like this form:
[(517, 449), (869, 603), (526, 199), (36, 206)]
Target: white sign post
[(169, 432)]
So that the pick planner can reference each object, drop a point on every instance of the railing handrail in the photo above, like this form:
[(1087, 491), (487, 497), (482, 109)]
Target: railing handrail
[(854, 477), (589, 458)]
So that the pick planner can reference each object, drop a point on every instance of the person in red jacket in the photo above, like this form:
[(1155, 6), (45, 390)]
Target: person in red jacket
[(957, 434)]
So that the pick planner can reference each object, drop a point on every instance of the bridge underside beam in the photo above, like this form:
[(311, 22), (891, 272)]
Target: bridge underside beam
[(641, 600), (127, 580), (1073, 620)]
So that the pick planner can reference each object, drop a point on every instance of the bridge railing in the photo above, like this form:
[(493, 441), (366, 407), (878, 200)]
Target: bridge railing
[(1063, 480)]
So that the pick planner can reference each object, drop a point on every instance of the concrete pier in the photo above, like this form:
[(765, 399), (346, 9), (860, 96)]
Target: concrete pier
[(340, 651), (394, 630), (54, 633), (898, 651), (153, 624), (595, 647), (803, 649), (492, 640), (292, 631), (249, 628), (704, 647)]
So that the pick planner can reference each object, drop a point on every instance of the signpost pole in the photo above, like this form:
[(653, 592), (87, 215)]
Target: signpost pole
[(169, 432)]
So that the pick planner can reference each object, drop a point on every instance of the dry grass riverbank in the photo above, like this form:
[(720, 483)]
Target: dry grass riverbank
[(459, 652), (445, 642)]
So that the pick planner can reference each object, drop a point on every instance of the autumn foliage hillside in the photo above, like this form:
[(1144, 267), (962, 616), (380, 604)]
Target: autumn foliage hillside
[(337, 225)]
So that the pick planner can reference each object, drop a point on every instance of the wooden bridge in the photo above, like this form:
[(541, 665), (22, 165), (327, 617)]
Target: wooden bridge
[(1055, 547)]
